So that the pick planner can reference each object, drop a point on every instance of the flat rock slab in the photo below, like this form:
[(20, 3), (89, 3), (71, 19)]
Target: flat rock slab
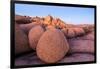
[(78, 57), (32, 59), (85, 46), (29, 59)]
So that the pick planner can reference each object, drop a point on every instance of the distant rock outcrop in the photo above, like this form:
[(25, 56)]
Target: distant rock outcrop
[(22, 19), (55, 22)]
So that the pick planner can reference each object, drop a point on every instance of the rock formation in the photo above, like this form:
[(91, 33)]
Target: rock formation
[(80, 39)]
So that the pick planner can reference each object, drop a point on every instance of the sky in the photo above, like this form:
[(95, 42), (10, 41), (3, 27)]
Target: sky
[(74, 15)]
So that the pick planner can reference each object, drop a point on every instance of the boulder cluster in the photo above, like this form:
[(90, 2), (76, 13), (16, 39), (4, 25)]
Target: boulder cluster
[(49, 37)]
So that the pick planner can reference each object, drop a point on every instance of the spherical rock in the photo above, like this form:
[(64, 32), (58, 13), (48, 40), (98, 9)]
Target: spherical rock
[(34, 36), (68, 32), (52, 46), (78, 31), (21, 41)]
